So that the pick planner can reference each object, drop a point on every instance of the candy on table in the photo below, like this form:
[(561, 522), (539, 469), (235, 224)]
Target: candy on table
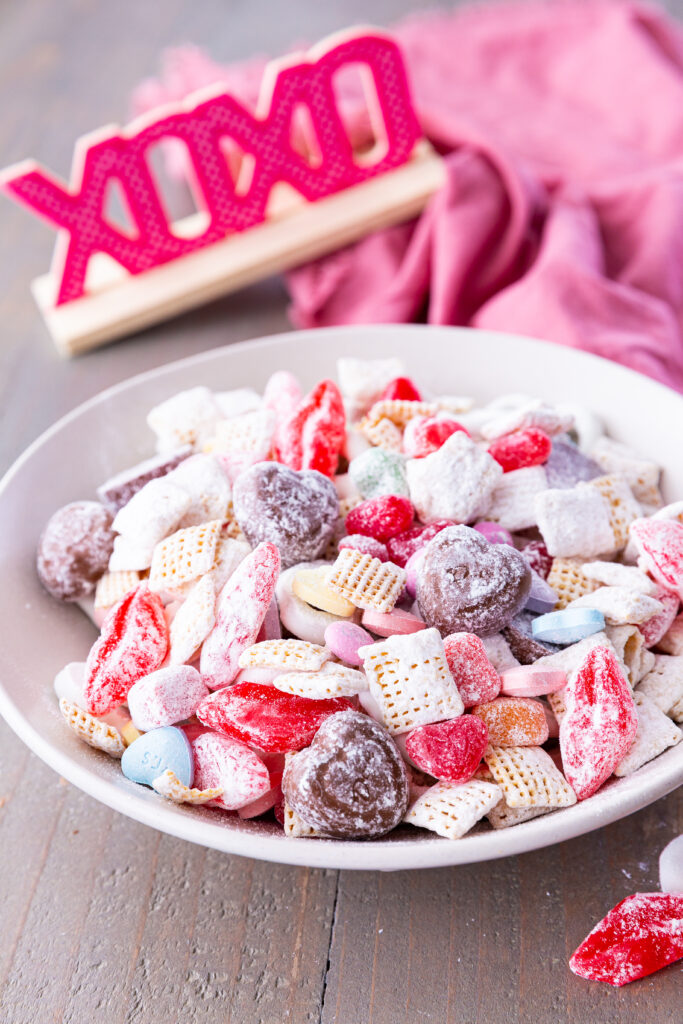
[(529, 681), (193, 622), (528, 777), (332, 680), (287, 655), (409, 678), (379, 471), (117, 491), (251, 432), (520, 449), (152, 513), (394, 623), (426, 434), (166, 696), (187, 418), (452, 809), (575, 521), (468, 585), (639, 936), (184, 557), (93, 731), (629, 647), (366, 582), (513, 721), (613, 574), (382, 517), (364, 380), (656, 628), (241, 608), (536, 554), (158, 751), (351, 783), (296, 511), (655, 733), (449, 751), (623, 507), (671, 867), (169, 786), (74, 549), (402, 547), (664, 683), (298, 617), (542, 598), (129, 556), (266, 718), (221, 762), (513, 503), (400, 388), (475, 677), (568, 581), (618, 605), (366, 546), (672, 641), (640, 473), (498, 652), (344, 640), (660, 546), (600, 722), (312, 586), (569, 625), (112, 586), (534, 414), (456, 482), (567, 466), (133, 643), (314, 434), (494, 532)]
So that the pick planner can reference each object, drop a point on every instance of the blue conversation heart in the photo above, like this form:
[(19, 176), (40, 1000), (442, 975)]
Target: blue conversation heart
[(155, 752), (568, 626)]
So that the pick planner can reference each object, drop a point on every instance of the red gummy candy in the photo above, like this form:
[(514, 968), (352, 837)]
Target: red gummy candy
[(654, 629), (133, 643), (639, 936), (405, 544), (450, 751), (600, 723), (366, 545), (401, 389), (313, 436), (536, 554), (265, 717), (523, 448), (660, 543), (426, 434), (382, 518), (473, 673)]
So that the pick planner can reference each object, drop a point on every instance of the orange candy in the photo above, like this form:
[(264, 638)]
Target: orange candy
[(514, 721)]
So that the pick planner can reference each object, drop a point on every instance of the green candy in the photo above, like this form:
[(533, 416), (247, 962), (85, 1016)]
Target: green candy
[(378, 471)]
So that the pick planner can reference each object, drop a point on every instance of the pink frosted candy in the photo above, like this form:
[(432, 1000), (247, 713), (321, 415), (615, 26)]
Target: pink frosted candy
[(344, 640), (412, 569), (366, 545), (473, 673), (225, 762), (166, 696), (282, 396), (261, 804), (241, 608), (394, 623), (258, 675), (660, 545), (529, 681), (271, 628), (494, 532), (655, 628)]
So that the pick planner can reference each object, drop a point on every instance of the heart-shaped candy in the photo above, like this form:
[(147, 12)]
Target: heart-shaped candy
[(467, 585), (351, 783), (157, 751), (295, 510)]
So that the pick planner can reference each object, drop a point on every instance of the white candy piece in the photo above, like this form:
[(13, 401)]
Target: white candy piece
[(513, 503), (251, 432), (129, 556), (165, 697), (237, 402), (629, 644), (69, 683), (193, 621), (671, 867), (409, 678), (588, 427), (613, 574), (655, 733), (455, 482), (534, 414), (574, 521), (188, 417), (332, 680), (152, 513), (619, 605), (207, 486), (363, 380), (451, 810)]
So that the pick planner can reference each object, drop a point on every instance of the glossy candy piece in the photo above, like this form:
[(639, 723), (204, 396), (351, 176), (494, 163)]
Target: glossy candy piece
[(567, 626), (521, 449), (599, 724), (514, 721), (473, 673), (313, 436), (366, 545), (344, 639), (450, 751), (494, 532), (311, 586), (225, 763), (639, 936), (542, 598), (527, 681), (166, 696), (426, 434), (133, 643), (402, 547), (381, 518), (241, 609), (412, 568), (402, 389), (671, 867), (266, 718), (393, 623), (158, 751), (660, 545)]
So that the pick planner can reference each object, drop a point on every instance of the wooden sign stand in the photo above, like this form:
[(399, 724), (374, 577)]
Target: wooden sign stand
[(282, 208)]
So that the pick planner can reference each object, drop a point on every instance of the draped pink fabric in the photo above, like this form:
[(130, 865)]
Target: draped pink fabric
[(562, 216)]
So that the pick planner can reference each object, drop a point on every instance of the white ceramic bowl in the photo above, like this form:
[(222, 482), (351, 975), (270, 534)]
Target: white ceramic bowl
[(109, 433)]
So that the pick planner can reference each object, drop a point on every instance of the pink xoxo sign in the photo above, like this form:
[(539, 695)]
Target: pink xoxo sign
[(86, 302)]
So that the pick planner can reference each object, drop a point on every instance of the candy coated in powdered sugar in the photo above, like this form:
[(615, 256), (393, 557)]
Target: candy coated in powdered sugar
[(344, 640), (567, 466), (473, 673), (166, 696), (671, 867), (520, 449), (295, 511), (314, 434), (658, 626), (567, 626), (366, 545), (240, 611), (514, 721), (494, 533), (158, 751), (402, 547), (542, 598), (117, 491), (378, 471), (74, 549), (456, 482), (660, 545), (225, 763), (426, 434), (400, 389), (382, 517), (413, 566), (450, 751)]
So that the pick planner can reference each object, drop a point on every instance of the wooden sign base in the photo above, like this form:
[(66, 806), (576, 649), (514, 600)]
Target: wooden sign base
[(295, 232)]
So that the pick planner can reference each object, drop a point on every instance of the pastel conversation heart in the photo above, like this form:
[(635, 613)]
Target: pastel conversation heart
[(156, 752)]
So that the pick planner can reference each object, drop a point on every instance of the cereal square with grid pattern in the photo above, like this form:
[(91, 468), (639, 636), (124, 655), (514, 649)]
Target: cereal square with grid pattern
[(184, 556), (568, 581), (452, 809), (528, 777), (641, 474), (409, 678), (288, 655), (664, 684), (513, 501), (113, 585), (193, 621), (382, 433), (91, 730), (400, 410), (623, 507), (655, 733), (365, 581)]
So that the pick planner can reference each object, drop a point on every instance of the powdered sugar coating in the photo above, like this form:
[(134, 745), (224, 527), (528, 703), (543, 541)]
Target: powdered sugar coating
[(295, 511), (74, 549), (473, 673), (567, 466), (225, 763), (165, 697), (117, 491), (351, 782), (456, 482)]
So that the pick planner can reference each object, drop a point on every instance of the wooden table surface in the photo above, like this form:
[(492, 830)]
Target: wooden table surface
[(105, 920)]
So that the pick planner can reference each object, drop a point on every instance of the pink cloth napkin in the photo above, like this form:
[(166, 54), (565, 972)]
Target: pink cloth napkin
[(562, 217)]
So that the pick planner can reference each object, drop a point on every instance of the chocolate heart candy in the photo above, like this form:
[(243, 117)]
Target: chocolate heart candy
[(296, 511), (351, 783), (467, 585), (74, 549)]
